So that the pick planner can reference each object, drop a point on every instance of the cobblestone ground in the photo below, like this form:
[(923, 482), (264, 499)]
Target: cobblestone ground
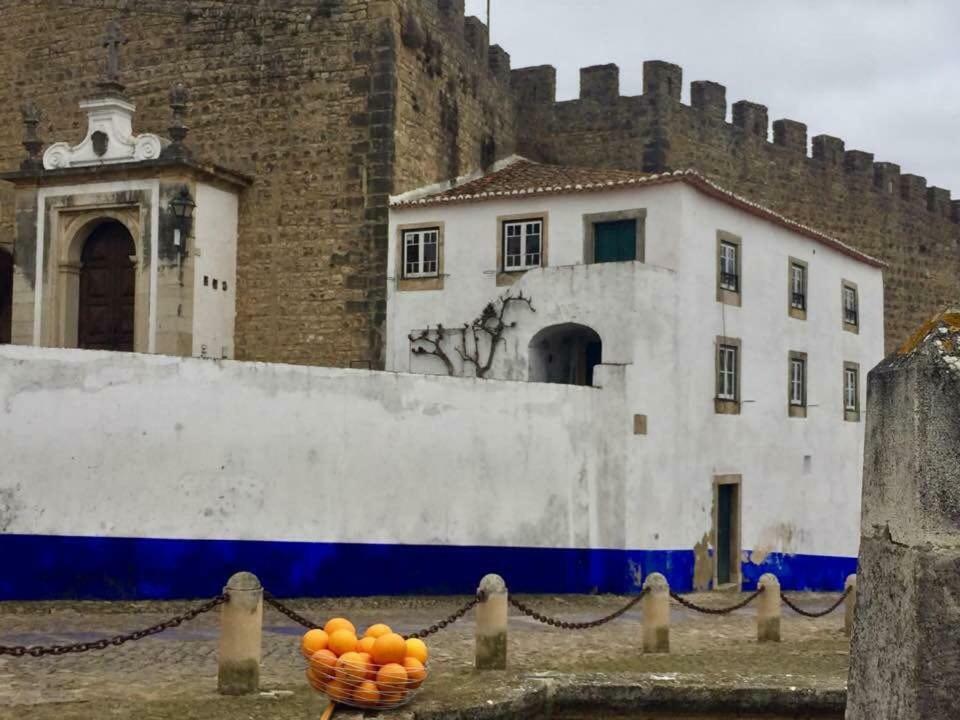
[(173, 674)]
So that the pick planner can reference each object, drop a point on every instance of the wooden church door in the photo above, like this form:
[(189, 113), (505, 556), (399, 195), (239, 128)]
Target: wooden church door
[(107, 290)]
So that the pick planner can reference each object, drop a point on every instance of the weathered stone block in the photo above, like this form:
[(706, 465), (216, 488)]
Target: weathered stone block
[(905, 657)]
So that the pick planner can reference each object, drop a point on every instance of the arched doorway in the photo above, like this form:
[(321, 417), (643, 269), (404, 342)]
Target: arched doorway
[(105, 316), (6, 296), (565, 353)]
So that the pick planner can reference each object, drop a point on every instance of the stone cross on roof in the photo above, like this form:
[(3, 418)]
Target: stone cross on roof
[(112, 40)]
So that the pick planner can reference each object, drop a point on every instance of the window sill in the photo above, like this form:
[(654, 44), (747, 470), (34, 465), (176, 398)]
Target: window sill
[(728, 297), (851, 328), (798, 314), (851, 415), (726, 407), (426, 283), (797, 411)]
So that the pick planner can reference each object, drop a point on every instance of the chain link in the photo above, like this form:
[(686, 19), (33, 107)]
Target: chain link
[(449, 620), (103, 643), (817, 613), (569, 625), (716, 611), (272, 601)]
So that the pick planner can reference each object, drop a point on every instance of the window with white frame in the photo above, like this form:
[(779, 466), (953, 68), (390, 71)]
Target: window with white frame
[(522, 244), (729, 277), (798, 286), (798, 381), (851, 311), (727, 372), (420, 252), (851, 384)]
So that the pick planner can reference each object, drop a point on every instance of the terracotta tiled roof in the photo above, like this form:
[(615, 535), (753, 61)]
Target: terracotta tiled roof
[(523, 178), (525, 174)]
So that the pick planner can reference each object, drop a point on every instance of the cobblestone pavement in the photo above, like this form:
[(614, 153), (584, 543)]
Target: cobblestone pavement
[(173, 674)]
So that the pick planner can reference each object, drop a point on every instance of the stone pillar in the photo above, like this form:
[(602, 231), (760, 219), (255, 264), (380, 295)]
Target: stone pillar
[(768, 609), (849, 604), (241, 625), (656, 614), (491, 650), (904, 659)]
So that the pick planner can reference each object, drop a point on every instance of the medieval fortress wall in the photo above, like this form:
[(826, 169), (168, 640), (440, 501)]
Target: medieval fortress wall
[(872, 205)]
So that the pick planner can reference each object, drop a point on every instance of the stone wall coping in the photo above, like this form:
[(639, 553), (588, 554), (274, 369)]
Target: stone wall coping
[(112, 171)]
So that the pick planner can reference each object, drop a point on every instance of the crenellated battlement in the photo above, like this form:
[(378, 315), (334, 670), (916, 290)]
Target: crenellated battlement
[(534, 91)]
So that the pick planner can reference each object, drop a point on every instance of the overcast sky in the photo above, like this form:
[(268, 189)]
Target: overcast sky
[(884, 75)]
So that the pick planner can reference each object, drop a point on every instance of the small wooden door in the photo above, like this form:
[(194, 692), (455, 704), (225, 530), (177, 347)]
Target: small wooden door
[(615, 241), (107, 290)]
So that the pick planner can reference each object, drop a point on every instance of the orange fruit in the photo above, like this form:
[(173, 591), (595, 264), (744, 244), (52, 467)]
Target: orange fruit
[(312, 641), (352, 669), (416, 673), (316, 680), (338, 691), (339, 624), (368, 662), (367, 694), (377, 630), (323, 663), (392, 678), (418, 649), (342, 641), (365, 644), (389, 648), (393, 698)]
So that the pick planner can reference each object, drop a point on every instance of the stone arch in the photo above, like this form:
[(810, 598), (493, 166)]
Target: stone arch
[(565, 353), (76, 229), (6, 296)]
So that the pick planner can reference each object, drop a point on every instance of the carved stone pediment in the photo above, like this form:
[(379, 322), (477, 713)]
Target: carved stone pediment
[(109, 138)]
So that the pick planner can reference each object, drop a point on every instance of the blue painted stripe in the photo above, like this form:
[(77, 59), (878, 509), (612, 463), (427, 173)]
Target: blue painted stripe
[(44, 567)]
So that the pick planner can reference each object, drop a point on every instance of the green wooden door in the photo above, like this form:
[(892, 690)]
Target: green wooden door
[(724, 530), (615, 241)]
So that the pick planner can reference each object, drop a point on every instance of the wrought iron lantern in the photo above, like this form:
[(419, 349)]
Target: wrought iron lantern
[(182, 207)]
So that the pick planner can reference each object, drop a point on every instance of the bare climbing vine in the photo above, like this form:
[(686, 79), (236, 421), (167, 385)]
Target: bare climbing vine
[(489, 325)]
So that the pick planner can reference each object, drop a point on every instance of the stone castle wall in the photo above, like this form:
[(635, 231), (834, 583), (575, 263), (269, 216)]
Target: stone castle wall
[(299, 94), (871, 205)]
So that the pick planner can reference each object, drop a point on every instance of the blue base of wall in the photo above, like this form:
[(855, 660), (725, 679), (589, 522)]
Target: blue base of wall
[(43, 567)]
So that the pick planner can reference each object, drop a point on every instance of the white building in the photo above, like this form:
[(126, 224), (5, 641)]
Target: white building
[(742, 340)]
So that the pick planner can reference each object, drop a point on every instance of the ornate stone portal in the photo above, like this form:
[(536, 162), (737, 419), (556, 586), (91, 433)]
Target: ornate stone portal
[(183, 284)]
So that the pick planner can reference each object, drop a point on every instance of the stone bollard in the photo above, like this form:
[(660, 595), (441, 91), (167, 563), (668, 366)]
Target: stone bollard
[(491, 631), (849, 604), (768, 609), (656, 614), (241, 626)]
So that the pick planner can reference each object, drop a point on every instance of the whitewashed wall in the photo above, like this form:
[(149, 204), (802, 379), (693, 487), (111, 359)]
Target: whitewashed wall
[(110, 446), (214, 309)]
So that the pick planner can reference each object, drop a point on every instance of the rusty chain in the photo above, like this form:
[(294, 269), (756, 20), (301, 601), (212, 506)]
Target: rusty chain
[(716, 611), (272, 601), (449, 620), (425, 632), (814, 613), (103, 643), (569, 625)]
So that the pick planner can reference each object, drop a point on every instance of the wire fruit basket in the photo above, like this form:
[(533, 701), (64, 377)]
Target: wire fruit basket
[(355, 678)]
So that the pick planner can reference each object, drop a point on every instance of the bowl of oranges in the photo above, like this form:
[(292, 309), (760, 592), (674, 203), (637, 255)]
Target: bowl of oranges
[(379, 670)]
